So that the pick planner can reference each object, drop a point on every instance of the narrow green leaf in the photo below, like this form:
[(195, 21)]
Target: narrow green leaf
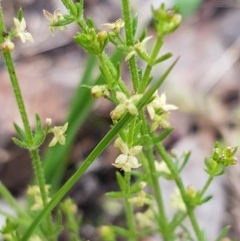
[(20, 14), (163, 58), (223, 233), (134, 24), (115, 194), (40, 133), (20, 143), (121, 181), (19, 131), (185, 161), (164, 134)]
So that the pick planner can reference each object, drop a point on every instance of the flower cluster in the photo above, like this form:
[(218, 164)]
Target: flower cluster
[(98, 91), (159, 111), (35, 193), (145, 219), (220, 159), (177, 201), (59, 135), (127, 160), (125, 105), (19, 30)]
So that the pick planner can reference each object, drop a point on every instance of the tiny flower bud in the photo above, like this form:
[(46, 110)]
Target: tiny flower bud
[(191, 191), (100, 91), (48, 121), (7, 45), (101, 36)]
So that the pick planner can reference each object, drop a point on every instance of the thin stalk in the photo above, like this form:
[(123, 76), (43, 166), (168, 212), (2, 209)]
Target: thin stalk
[(17, 93), (110, 72), (22, 110), (153, 56), (38, 170), (162, 216), (206, 185), (129, 210), (130, 42), (181, 188)]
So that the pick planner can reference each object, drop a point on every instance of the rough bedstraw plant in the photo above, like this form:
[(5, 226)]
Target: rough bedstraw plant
[(139, 126)]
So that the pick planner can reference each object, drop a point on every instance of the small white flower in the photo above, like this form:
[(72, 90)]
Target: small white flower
[(48, 121), (34, 192), (159, 110), (127, 160), (162, 167), (177, 201), (59, 135), (54, 18), (115, 27), (141, 199), (125, 104), (21, 32), (159, 103), (145, 219)]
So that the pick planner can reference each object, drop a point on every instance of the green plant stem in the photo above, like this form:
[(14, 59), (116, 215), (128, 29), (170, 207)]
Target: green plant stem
[(37, 166), (206, 185), (146, 75), (110, 73), (23, 113), (17, 93), (154, 180), (161, 150), (19, 99), (130, 42), (129, 210)]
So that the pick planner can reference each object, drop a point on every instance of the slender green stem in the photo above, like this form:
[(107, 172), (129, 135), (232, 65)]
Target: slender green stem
[(206, 185), (129, 210), (17, 93), (23, 113), (37, 166), (130, 42), (181, 188), (146, 75), (110, 72), (154, 180)]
